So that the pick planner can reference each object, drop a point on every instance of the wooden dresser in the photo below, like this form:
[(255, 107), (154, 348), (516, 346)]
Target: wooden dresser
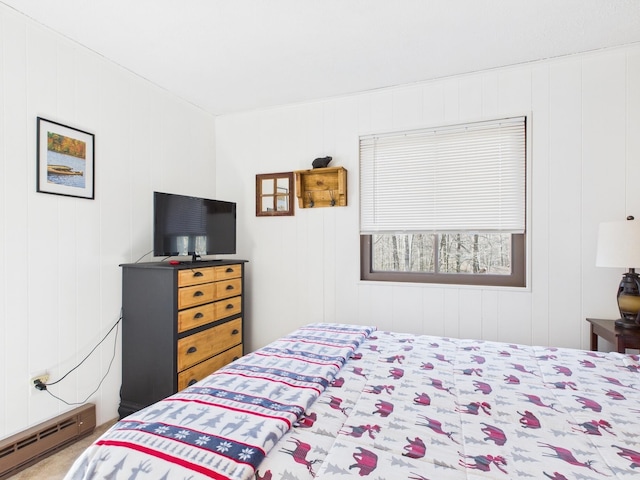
[(179, 324)]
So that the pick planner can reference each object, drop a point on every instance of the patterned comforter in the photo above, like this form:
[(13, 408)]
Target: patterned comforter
[(222, 426), (419, 407), (395, 406)]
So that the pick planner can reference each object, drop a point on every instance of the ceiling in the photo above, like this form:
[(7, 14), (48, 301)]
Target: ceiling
[(235, 55)]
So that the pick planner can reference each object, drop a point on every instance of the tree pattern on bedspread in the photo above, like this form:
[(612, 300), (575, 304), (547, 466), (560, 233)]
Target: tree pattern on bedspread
[(432, 408), (337, 402), (223, 426)]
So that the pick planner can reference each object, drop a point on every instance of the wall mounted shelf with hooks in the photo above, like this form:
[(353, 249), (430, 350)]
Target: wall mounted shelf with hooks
[(321, 187)]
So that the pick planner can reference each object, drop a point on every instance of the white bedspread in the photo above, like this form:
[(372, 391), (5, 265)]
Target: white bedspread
[(401, 407), (223, 426), (420, 407)]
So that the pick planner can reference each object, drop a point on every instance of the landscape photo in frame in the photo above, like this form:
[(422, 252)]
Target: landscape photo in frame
[(65, 160)]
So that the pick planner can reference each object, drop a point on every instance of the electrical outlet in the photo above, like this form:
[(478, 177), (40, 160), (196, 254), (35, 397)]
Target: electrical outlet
[(43, 377)]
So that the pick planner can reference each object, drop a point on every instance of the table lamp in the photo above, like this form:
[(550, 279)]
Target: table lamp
[(619, 246)]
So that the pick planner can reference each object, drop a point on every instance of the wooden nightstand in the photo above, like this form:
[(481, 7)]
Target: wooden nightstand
[(622, 338)]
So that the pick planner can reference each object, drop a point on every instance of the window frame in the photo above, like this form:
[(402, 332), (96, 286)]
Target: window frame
[(520, 241), (517, 278)]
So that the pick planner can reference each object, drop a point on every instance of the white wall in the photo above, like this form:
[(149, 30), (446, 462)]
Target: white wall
[(60, 284), (585, 168), (60, 280)]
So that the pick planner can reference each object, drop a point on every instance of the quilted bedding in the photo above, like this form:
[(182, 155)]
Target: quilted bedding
[(222, 426), (420, 407), (400, 407)]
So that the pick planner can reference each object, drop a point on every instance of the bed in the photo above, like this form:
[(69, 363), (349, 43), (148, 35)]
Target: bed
[(334, 401)]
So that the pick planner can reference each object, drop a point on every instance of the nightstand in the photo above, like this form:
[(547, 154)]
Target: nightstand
[(622, 338)]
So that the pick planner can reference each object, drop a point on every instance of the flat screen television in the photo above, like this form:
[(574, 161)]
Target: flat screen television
[(195, 226)]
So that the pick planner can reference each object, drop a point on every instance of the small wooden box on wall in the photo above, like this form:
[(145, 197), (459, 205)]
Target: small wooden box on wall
[(321, 187)]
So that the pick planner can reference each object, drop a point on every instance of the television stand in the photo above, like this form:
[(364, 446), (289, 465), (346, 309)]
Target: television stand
[(196, 259)]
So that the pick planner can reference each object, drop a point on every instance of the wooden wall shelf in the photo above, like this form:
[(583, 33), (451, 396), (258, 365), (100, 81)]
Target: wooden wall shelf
[(321, 187)]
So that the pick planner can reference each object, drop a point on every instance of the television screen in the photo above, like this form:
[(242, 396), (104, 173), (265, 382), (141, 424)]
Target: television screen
[(193, 226)]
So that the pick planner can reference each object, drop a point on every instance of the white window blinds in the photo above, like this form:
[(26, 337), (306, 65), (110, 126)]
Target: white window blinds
[(452, 179)]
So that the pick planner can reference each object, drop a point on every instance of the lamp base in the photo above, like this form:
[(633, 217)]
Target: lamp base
[(628, 299), (629, 324)]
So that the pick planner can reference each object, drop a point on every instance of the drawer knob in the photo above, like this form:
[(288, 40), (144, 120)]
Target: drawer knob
[(229, 306), (235, 331), (198, 315), (229, 270), (192, 350), (235, 358), (192, 381), (229, 287), (197, 274), (198, 294)]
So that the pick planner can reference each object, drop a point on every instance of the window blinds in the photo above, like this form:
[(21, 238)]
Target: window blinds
[(453, 179)]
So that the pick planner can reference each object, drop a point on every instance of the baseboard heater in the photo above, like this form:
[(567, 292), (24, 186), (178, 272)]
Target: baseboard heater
[(26, 448)]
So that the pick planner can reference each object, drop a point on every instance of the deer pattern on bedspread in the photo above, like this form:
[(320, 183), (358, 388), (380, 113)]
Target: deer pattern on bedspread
[(432, 408), (223, 426)]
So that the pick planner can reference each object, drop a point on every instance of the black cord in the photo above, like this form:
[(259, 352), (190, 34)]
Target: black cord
[(138, 260), (115, 343)]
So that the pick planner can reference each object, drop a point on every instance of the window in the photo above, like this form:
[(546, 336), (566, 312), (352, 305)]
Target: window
[(445, 205)]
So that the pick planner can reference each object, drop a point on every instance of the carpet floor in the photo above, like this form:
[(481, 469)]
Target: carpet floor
[(57, 465)]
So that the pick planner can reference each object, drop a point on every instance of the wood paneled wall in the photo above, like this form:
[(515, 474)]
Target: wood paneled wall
[(584, 163), (60, 284)]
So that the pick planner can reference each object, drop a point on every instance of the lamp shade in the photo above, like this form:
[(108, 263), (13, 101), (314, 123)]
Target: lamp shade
[(619, 244)]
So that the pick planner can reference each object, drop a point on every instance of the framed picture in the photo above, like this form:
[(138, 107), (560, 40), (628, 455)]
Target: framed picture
[(65, 160)]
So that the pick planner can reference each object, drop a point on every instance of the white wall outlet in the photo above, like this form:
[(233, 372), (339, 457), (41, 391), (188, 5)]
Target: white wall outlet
[(43, 377)]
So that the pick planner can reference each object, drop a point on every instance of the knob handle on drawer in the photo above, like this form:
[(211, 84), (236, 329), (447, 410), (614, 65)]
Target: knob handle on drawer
[(198, 315), (229, 287), (192, 381), (197, 274), (229, 306), (235, 358), (192, 350), (198, 294), (235, 331), (229, 270)]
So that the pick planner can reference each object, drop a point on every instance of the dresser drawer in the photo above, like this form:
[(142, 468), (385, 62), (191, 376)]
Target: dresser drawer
[(195, 276), (201, 370), (228, 288), (210, 312), (196, 316), (224, 272), (196, 295), (202, 345), (228, 307)]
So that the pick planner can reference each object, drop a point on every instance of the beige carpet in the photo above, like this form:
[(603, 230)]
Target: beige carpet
[(56, 466)]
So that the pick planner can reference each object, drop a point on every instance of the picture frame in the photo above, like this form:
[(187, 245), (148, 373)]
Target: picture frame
[(274, 194), (65, 160)]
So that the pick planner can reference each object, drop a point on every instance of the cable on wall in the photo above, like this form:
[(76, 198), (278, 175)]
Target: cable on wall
[(44, 386)]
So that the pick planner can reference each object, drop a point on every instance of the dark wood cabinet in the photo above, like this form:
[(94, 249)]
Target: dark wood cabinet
[(179, 324), (621, 338)]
